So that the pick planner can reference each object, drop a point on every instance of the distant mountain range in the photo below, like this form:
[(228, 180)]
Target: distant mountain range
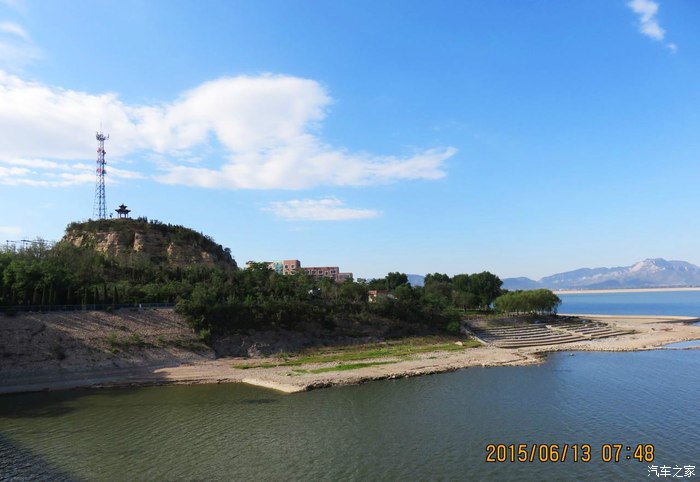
[(650, 273), (416, 279)]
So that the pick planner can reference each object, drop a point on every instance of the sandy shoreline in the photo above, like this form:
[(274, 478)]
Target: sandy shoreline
[(649, 332), (623, 290)]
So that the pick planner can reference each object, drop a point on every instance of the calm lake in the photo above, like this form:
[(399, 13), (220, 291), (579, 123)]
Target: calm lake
[(428, 428), (674, 303)]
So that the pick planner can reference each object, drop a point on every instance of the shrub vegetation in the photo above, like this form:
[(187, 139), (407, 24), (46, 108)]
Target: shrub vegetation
[(224, 300)]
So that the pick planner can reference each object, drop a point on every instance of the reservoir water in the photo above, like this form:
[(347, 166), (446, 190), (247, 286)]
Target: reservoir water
[(672, 303), (427, 428)]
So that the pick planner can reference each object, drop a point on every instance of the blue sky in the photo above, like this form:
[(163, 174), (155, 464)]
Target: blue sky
[(521, 137)]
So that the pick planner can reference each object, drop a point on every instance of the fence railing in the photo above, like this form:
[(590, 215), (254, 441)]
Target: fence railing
[(86, 307)]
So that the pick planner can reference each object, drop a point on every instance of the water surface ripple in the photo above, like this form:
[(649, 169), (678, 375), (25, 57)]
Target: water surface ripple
[(426, 428)]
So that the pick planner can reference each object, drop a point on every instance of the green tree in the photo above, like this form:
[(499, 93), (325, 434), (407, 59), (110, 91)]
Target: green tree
[(436, 278), (460, 282), (464, 299), (353, 293), (389, 282), (540, 301), (395, 279), (437, 294), (486, 287)]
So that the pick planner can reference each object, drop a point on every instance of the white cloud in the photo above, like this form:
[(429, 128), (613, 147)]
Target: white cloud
[(328, 209), (40, 172), (9, 172), (10, 230), (35, 163), (16, 48), (14, 4), (122, 173), (646, 10), (14, 29), (235, 133)]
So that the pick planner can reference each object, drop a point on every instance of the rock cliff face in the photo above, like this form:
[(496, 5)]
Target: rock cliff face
[(157, 242)]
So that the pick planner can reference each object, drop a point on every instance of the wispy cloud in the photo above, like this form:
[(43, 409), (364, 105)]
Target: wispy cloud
[(234, 133), (16, 47), (41, 172), (14, 29), (327, 209), (13, 4), (10, 230), (646, 10)]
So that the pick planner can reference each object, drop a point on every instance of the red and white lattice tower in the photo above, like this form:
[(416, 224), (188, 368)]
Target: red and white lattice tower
[(99, 208)]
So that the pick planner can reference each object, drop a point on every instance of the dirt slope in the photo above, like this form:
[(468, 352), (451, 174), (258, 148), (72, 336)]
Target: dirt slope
[(35, 344)]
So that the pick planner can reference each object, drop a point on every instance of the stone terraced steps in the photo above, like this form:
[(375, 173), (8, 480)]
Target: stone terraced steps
[(550, 334)]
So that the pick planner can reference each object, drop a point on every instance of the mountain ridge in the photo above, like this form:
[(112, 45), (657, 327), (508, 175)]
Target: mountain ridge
[(648, 273)]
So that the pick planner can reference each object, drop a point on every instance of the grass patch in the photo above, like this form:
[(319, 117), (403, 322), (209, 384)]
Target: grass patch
[(117, 343), (340, 368), (188, 344), (398, 349), (349, 366)]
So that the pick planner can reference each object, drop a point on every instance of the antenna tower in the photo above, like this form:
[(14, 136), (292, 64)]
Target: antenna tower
[(99, 208)]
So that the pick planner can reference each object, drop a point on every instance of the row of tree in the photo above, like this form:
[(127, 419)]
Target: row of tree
[(40, 275), (225, 300), (258, 297), (539, 301), (464, 291), (220, 300)]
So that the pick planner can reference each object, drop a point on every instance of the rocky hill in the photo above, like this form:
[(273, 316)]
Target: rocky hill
[(156, 241), (649, 273)]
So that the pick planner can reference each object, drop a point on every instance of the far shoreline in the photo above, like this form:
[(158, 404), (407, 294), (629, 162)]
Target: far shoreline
[(623, 290)]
